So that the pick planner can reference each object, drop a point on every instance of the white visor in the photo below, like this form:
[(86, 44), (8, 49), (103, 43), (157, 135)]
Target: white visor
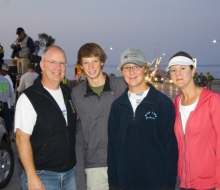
[(180, 60)]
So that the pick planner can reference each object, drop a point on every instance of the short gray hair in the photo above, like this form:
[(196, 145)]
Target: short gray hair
[(50, 47)]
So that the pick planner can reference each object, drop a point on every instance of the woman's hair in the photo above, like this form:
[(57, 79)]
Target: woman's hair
[(91, 50), (184, 54)]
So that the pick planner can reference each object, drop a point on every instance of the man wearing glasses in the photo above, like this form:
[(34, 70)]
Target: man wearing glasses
[(45, 125), (142, 148)]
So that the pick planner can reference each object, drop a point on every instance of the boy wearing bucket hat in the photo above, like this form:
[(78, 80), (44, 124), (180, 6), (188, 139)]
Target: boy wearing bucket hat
[(142, 148)]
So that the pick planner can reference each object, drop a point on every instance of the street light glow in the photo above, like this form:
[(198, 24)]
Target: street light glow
[(110, 48), (215, 41), (166, 54)]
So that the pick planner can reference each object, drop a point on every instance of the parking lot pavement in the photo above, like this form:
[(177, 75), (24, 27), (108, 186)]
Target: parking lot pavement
[(15, 184)]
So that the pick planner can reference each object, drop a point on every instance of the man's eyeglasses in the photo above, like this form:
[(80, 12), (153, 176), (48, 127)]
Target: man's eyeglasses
[(53, 63), (134, 68)]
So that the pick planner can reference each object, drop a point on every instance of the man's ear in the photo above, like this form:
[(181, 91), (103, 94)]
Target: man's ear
[(42, 65), (102, 64)]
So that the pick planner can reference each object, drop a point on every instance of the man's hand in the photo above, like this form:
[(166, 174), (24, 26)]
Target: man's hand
[(26, 156), (35, 183)]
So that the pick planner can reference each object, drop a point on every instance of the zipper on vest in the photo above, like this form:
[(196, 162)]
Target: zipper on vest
[(66, 104), (67, 132)]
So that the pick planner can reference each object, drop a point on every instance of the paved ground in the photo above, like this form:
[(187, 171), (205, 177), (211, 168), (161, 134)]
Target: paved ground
[(168, 89), (15, 183)]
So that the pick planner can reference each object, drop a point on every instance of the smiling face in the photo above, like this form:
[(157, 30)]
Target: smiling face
[(92, 67), (134, 76), (182, 75), (53, 73)]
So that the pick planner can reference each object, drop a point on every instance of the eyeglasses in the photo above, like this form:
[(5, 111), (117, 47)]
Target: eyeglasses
[(53, 63), (134, 68)]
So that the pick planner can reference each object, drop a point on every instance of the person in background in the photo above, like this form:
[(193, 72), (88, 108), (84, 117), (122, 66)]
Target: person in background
[(28, 78), (196, 127), (5, 93), (142, 147), (1, 53), (202, 80), (4, 72), (93, 99), (79, 80), (65, 80), (45, 125), (11, 100), (23, 47), (196, 79), (209, 79)]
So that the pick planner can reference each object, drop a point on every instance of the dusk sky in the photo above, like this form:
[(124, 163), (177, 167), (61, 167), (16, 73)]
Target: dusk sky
[(188, 25)]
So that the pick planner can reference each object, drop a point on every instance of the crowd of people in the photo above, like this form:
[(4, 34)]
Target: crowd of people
[(203, 81), (134, 137)]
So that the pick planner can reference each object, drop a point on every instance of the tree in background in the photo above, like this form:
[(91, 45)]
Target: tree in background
[(43, 41)]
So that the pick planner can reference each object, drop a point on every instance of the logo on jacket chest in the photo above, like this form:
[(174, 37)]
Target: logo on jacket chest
[(150, 115)]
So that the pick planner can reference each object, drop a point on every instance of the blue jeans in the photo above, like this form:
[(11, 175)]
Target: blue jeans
[(53, 180)]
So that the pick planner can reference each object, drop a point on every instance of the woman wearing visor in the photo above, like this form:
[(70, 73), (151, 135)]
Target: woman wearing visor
[(197, 127)]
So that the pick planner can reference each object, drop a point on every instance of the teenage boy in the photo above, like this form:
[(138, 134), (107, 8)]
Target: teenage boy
[(93, 99), (142, 148)]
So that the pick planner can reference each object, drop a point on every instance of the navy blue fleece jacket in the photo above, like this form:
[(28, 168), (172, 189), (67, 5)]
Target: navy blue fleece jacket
[(142, 147)]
